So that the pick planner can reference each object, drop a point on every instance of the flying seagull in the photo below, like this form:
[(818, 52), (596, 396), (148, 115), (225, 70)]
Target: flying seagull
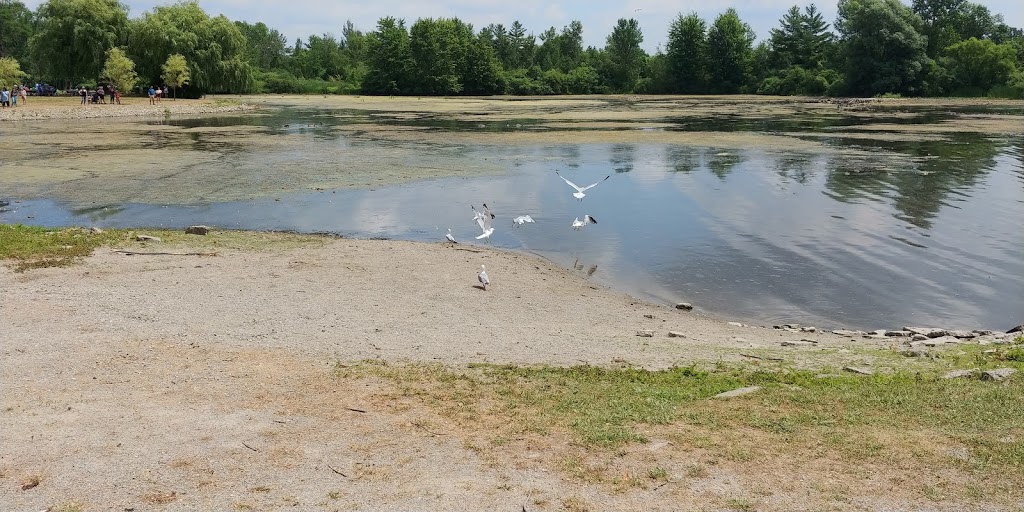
[(522, 219), (579, 194), (483, 219), (482, 277), (587, 219), (449, 236)]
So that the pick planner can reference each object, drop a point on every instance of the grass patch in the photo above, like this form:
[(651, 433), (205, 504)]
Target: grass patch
[(31, 247)]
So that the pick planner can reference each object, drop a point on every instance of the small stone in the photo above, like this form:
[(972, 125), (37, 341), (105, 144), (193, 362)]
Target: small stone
[(879, 332), (859, 371), (649, 317), (645, 333), (998, 375), (735, 324), (931, 332), (147, 238), (738, 392), (919, 337), (792, 326), (685, 306), (676, 334), (95, 230), (898, 333), (962, 334), (1019, 328), (197, 230), (982, 332), (876, 336), (810, 328), (847, 333), (800, 343), (959, 374)]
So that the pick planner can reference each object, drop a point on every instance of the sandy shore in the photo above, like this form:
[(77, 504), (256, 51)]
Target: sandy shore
[(205, 383), (70, 108)]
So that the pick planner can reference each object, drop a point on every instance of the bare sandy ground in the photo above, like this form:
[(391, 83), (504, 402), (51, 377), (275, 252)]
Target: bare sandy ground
[(70, 108), (205, 383)]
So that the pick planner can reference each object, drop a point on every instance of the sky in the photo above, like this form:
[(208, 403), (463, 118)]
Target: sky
[(304, 17)]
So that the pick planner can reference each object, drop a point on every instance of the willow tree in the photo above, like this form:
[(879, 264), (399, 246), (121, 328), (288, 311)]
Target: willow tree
[(72, 37)]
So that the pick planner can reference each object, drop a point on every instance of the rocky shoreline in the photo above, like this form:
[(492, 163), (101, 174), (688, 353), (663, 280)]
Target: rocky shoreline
[(73, 110)]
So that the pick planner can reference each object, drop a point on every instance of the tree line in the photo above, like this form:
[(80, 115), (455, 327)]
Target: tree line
[(875, 47)]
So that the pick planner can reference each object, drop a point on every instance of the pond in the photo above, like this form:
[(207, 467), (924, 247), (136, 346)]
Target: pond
[(854, 222)]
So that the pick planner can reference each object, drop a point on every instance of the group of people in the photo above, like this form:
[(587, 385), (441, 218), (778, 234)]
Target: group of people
[(100, 94), (10, 98), (155, 93)]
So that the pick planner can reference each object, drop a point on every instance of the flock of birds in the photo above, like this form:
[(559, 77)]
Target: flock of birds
[(485, 216)]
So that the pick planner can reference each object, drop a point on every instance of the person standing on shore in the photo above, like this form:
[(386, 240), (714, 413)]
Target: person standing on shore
[(115, 95), (24, 95), (152, 96), (5, 98), (83, 93)]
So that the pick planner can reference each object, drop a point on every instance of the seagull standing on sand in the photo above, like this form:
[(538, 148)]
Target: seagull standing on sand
[(482, 277), (522, 219), (483, 219), (578, 224), (579, 194), (449, 236)]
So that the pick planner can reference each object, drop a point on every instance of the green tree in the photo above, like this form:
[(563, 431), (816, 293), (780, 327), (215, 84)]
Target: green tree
[(266, 48), (729, 53), (687, 55), (176, 72), (802, 39), (523, 47), (120, 70), (439, 48), (979, 64), (10, 72), (883, 49), (72, 37), (626, 57), (389, 58), (938, 18), (482, 73), (15, 29), (214, 48)]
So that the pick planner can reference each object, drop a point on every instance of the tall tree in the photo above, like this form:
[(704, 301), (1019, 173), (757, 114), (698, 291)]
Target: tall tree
[(214, 47), (439, 49), (730, 49), (266, 48), (524, 47), (120, 70), (884, 50), (15, 29), (389, 58), (625, 55), (175, 72), (802, 39), (979, 64), (72, 37), (687, 55)]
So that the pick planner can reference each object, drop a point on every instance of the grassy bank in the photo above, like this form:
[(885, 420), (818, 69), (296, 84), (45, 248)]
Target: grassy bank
[(936, 439)]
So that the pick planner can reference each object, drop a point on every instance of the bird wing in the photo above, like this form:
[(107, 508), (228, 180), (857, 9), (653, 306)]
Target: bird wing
[(487, 232), (592, 185), (571, 184), (587, 219), (527, 218)]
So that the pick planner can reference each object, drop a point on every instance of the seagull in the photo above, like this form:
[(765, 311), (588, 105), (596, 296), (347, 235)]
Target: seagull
[(449, 236), (522, 219), (587, 219), (484, 221), (482, 277), (579, 194)]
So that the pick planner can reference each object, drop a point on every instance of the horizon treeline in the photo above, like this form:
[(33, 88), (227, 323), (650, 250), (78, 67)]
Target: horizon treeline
[(874, 47)]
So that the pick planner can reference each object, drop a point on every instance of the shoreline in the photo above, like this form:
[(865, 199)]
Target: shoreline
[(67, 108)]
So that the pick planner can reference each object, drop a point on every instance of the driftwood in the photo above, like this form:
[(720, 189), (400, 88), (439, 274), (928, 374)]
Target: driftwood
[(249, 447), (332, 468), (135, 253), (353, 409)]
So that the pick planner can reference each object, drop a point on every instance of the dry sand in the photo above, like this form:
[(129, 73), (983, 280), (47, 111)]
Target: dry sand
[(66, 107), (205, 383)]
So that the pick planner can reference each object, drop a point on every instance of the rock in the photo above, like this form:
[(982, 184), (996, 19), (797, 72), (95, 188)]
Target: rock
[(1019, 328), (959, 374), (876, 336), (95, 230), (735, 324), (791, 326), (197, 230), (809, 329), (879, 332), (147, 238), (649, 317), (898, 333), (934, 342), (738, 392), (859, 371), (685, 306), (919, 337), (847, 333), (800, 343), (962, 334), (998, 375), (931, 332), (645, 333), (676, 334), (983, 332)]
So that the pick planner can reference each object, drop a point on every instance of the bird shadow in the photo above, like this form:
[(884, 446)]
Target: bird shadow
[(479, 287)]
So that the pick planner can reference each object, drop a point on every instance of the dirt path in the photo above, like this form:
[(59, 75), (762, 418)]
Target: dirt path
[(205, 383)]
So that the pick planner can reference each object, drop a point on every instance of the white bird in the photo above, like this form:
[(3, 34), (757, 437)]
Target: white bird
[(449, 236), (522, 219), (482, 277), (579, 194), (483, 219), (587, 219)]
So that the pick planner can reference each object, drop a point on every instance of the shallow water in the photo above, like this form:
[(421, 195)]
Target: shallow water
[(922, 231)]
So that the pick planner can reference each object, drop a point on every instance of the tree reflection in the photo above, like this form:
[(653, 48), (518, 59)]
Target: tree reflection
[(723, 162), (622, 157), (683, 158), (794, 167), (95, 213)]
